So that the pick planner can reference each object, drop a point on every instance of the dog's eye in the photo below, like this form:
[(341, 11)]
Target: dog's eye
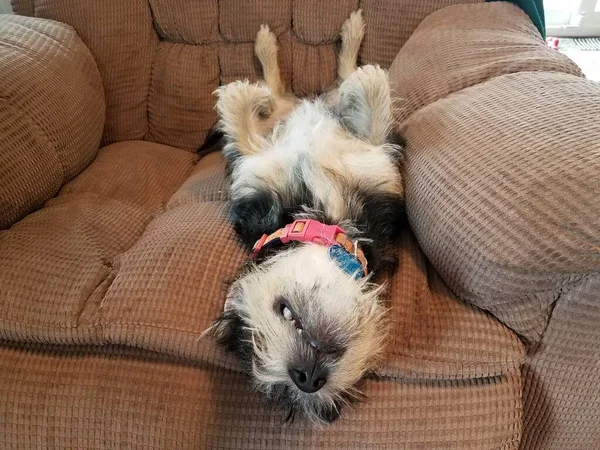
[(286, 313), (284, 309)]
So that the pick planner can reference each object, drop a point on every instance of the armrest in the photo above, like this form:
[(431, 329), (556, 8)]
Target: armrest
[(463, 45), (51, 112), (503, 177)]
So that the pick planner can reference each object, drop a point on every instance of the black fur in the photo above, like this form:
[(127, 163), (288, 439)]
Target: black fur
[(233, 335), (215, 140), (280, 396), (255, 215), (264, 211), (381, 220)]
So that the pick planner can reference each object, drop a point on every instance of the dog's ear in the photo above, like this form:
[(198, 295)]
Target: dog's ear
[(229, 328), (260, 212), (366, 104)]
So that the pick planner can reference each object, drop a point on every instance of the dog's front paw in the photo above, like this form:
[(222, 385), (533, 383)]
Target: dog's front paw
[(353, 29), (372, 76), (366, 103)]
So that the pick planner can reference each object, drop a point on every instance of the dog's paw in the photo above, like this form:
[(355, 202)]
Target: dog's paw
[(266, 42), (372, 75), (353, 28), (242, 98), (366, 103), (369, 84)]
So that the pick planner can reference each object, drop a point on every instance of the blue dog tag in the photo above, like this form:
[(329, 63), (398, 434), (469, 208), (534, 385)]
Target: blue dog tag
[(346, 261)]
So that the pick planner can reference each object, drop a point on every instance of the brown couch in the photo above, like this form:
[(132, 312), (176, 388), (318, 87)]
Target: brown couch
[(114, 240)]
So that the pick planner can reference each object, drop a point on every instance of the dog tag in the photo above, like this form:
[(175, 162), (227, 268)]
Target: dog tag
[(346, 261)]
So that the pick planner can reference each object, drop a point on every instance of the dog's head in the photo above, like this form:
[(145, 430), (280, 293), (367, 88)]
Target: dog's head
[(306, 330)]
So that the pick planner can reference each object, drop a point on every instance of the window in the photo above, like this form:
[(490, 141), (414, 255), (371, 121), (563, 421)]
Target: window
[(572, 17)]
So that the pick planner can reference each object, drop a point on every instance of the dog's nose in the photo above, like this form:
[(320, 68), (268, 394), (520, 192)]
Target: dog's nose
[(308, 378)]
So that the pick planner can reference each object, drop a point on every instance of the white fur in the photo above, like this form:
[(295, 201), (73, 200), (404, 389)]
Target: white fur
[(277, 143), (349, 307), (314, 140)]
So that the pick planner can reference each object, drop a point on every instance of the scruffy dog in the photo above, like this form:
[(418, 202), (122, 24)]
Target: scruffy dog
[(317, 189)]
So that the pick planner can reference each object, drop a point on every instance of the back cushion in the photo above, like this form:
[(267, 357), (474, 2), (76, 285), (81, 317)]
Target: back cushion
[(161, 60)]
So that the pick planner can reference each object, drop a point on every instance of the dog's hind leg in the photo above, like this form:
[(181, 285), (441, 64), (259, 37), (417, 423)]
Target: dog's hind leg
[(242, 107), (266, 50), (353, 31), (366, 104)]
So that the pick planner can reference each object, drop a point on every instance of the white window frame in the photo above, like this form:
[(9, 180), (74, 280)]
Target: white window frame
[(584, 21)]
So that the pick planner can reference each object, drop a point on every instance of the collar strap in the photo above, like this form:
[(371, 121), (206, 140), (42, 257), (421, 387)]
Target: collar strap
[(314, 232)]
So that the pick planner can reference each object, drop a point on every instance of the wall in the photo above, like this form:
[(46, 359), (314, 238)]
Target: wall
[(5, 7)]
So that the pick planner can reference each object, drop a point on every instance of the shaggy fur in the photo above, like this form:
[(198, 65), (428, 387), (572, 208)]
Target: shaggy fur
[(331, 159)]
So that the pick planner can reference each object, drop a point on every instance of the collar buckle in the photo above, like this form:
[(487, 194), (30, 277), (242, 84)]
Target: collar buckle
[(311, 231)]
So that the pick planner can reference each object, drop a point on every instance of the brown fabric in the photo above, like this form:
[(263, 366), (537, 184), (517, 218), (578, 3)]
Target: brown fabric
[(239, 21), (30, 171), (505, 205), (562, 388), (466, 45), (123, 41), (161, 93), (171, 284), (314, 27), (389, 24), (137, 172), (56, 264), (434, 335), (184, 78), (23, 7), (501, 191), (51, 109), (56, 260), (310, 57), (83, 397), (186, 21), (207, 183), (237, 61)]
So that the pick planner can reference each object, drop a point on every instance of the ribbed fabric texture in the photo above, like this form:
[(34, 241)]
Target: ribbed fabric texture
[(161, 60), (467, 45), (484, 208), (114, 267), (105, 291), (51, 112), (115, 397), (136, 275)]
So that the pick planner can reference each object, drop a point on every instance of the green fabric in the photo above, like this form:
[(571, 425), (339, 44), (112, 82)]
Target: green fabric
[(535, 10)]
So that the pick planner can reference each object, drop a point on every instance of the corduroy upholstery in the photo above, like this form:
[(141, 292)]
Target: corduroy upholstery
[(107, 285), (51, 112)]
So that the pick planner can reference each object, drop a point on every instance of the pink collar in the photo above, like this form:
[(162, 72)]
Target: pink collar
[(315, 232)]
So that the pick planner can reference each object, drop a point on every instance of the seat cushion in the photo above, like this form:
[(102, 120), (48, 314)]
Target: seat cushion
[(136, 251), (66, 397), (56, 264)]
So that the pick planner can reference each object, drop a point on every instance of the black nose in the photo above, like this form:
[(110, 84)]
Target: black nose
[(308, 378)]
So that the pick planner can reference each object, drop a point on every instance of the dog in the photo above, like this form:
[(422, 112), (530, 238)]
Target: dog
[(317, 192)]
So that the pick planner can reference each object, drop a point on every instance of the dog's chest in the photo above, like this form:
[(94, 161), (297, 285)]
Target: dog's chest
[(316, 153), (312, 160)]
